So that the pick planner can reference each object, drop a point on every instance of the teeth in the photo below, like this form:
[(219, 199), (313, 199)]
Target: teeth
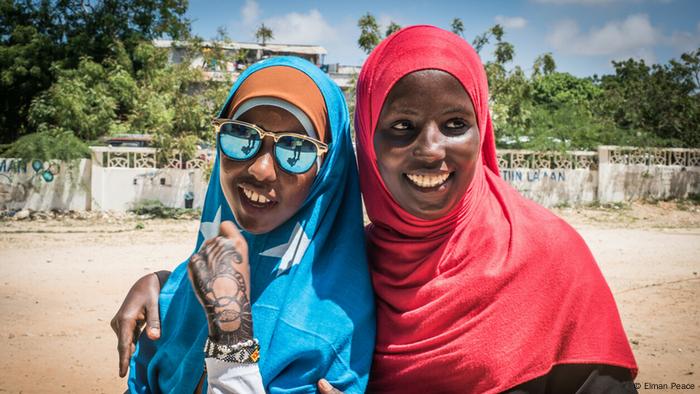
[(428, 180), (255, 197)]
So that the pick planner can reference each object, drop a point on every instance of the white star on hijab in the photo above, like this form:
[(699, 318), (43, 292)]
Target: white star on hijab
[(291, 252), (210, 230)]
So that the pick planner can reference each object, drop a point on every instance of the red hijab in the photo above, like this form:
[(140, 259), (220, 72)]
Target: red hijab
[(491, 295)]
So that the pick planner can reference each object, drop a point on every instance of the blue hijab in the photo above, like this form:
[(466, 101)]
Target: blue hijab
[(312, 300)]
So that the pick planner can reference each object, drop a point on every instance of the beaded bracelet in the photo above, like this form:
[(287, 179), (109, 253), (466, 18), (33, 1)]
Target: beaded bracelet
[(242, 352)]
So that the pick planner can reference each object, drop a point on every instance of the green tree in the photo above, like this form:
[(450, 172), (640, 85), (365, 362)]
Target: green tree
[(35, 34), (564, 113), (47, 145), (571, 127), (457, 26), (393, 26), (563, 89), (663, 100), (480, 41), (263, 34), (544, 65), (81, 101), (369, 33), (173, 102), (509, 89)]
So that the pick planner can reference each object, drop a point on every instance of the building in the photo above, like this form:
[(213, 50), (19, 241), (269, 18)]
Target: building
[(245, 53)]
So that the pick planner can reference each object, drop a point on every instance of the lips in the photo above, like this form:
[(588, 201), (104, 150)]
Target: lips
[(255, 198), (428, 180)]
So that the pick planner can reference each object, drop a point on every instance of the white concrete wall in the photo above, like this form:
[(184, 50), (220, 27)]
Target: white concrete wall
[(119, 178), (119, 189), (624, 182), (551, 187), (627, 174), (23, 185), (612, 174)]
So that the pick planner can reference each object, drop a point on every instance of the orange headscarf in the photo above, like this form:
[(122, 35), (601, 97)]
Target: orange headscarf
[(288, 84)]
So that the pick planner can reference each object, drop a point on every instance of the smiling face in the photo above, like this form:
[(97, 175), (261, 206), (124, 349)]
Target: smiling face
[(260, 194), (427, 143)]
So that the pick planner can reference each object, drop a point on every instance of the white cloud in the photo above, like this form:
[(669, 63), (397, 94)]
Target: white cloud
[(301, 28), (685, 41), (250, 12), (343, 48), (634, 36), (511, 22)]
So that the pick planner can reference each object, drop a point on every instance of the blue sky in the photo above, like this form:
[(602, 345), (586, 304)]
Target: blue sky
[(583, 35)]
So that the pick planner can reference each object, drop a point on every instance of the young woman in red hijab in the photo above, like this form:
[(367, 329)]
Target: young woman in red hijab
[(478, 290)]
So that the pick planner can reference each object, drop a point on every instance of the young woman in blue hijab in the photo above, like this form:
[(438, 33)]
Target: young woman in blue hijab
[(289, 295)]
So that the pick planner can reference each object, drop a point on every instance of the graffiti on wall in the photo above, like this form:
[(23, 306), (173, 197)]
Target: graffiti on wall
[(46, 171), (533, 175), (19, 177)]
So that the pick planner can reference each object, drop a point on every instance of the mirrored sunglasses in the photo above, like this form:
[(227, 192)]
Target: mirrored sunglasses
[(294, 152)]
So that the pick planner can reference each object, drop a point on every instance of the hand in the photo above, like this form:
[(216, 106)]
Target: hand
[(325, 388), (139, 306), (220, 276)]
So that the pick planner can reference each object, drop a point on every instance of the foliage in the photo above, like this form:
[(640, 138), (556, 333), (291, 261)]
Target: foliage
[(138, 92), (640, 105), (156, 209), (369, 33), (544, 65), (393, 26), (47, 145), (263, 34), (351, 94), (661, 99), (563, 88), (38, 37), (457, 26), (82, 100)]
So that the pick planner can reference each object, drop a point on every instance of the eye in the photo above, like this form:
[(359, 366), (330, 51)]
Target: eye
[(455, 124), (402, 125)]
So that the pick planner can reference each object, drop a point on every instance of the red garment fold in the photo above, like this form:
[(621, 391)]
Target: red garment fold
[(491, 295)]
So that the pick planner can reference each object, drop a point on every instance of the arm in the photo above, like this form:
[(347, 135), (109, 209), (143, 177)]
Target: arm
[(220, 277), (139, 306)]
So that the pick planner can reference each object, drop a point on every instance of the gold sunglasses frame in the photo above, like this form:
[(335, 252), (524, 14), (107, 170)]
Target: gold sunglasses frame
[(321, 147)]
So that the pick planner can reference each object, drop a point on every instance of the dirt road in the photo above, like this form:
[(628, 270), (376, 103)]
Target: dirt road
[(61, 282)]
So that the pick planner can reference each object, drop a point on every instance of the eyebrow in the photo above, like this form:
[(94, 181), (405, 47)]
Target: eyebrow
[(457, 109), (403, 111)]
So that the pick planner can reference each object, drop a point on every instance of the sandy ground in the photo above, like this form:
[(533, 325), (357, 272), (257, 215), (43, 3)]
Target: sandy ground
[(61, 281)]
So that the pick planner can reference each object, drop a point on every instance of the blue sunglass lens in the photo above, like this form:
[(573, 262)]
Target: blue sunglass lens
[(239, 142), (295, 155)]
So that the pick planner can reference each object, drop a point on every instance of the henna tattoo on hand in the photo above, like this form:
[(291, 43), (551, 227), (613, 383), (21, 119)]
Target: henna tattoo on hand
[(222, 289)]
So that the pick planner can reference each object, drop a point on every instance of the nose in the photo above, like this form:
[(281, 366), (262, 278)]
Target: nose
[(263, 165), (429, 145)]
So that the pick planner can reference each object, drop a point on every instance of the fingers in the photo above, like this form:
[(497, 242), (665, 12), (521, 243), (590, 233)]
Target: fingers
[(125, 346), (325, 388), (229, 230), (153, 319), (140, 306)]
